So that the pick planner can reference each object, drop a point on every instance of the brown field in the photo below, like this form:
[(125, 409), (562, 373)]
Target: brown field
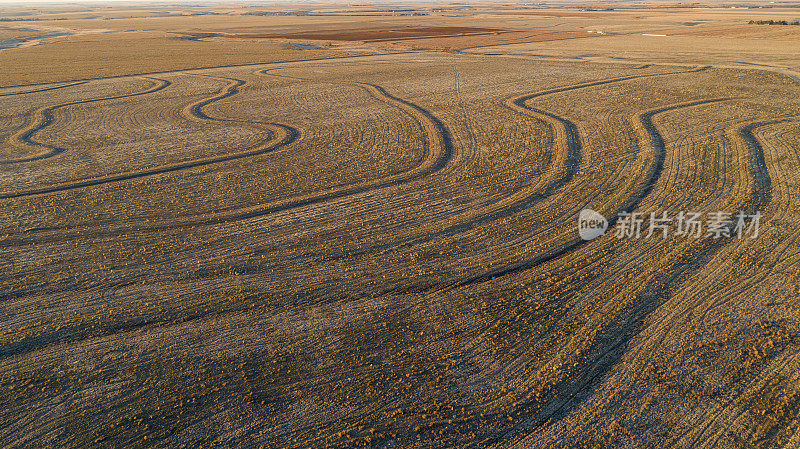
[(486, 40), (103, 55), (377, 35), (213, 237), (744, 31)]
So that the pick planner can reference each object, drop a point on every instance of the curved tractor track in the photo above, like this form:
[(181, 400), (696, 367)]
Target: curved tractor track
[(654, 172), (568, 135), (438, 153), (25, 137), (658, 290), (455, 359), (281, 135), (568, 159), (596, 367), (655, 291), (561, 170), (45, 89), (571, 146)]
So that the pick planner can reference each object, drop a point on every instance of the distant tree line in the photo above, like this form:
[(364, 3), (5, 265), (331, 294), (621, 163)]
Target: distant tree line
[(773, 22)]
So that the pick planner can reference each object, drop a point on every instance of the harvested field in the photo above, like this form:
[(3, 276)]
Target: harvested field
[(119, 54), (745, 31), (486, 40), (386, 249), (378, 35)]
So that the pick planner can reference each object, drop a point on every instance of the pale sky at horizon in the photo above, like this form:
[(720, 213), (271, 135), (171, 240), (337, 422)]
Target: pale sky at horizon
[(79, 2), (95, 2)]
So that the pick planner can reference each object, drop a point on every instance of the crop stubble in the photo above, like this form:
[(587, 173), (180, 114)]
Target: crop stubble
[(443, 300)]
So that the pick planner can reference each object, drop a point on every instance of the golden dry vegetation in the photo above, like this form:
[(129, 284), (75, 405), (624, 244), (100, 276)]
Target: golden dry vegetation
[(332, 248)]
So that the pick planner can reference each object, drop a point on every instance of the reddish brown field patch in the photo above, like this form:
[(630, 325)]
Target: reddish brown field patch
[(497, 38)]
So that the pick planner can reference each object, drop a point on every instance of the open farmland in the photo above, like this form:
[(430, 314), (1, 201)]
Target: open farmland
[(378, 246)]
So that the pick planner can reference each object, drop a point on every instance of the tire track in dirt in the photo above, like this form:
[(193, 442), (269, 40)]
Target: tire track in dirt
[(438, 153), (742, 135), (760, 190), (561, 171), (776, 256), (38, 341), (438, 143), (195, 110), (43, 89), (659, 289), (651, 134), (282, 135), (565, 165), (609, 353), (25, 137), (25, 346), (647, 132)]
